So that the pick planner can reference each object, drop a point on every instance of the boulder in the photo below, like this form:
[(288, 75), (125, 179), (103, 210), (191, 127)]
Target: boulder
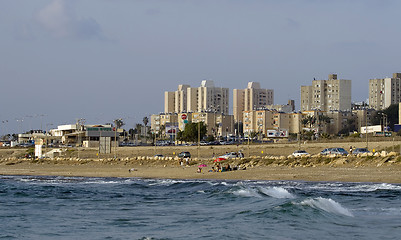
[(393, 154)]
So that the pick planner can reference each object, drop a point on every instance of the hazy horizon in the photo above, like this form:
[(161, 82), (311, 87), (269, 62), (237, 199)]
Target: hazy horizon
[(61, 60)]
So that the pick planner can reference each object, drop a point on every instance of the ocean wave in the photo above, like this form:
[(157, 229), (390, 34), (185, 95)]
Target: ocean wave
[(346, 187), (327, 205), (276, 192), (247, 192)]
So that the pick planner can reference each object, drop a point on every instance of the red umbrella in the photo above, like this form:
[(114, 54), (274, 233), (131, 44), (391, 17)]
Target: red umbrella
[(202, 165), (219, 159)]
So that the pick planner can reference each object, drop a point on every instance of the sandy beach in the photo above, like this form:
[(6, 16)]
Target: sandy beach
[(267, 162)]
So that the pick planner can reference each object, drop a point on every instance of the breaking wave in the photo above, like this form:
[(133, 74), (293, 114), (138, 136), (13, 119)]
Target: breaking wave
[(276, 192), (327, 205)]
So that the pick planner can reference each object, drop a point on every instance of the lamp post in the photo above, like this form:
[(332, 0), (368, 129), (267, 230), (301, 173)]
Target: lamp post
[(47, 133), (366, 128), (80, 123), (117, 123)]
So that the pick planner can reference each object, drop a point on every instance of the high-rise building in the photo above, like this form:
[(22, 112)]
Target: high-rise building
[(384, 91), (251, 98), (327, 95), (176, 102), (207, 98)]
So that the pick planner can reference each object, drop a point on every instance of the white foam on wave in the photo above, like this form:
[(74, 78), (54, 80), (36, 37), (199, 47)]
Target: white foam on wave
[(328, 205), (276, 192), (164, 182), (341, 187), (247, 192)]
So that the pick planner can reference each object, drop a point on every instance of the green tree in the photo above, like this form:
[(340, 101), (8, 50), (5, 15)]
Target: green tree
[(350, 127), (145, 121), (118, 123), (323, 120), (309, 120), (138, 128), (388, 116), (131, 133), (190, 133)]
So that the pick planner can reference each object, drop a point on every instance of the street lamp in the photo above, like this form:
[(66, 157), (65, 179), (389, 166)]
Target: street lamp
[(80, 124), (47, 133), (117, 123)]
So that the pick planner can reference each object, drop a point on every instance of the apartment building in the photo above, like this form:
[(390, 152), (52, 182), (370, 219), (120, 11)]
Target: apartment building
[(384, 92), (207, 97), (176, 102), (261, 121), (251, 98), (164, 121), (217, 124), (327, 95)]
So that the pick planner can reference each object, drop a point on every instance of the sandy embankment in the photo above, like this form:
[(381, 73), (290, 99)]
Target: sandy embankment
[(272, 164)]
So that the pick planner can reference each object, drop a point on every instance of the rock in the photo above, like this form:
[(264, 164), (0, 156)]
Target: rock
[(341, 161), (393, 154)]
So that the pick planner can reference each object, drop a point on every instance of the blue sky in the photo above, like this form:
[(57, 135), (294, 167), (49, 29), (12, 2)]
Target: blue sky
[(61, 60)]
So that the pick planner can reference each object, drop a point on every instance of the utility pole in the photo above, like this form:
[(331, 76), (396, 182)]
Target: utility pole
[(366, 128), (299, 131), (198, 135)]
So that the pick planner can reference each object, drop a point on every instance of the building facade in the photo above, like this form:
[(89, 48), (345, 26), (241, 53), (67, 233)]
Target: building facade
[(217, 124), (327, 95), (384, 92), (251, 98), (207, 97)]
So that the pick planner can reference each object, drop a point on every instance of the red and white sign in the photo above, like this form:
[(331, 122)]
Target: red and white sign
[(183, 116)]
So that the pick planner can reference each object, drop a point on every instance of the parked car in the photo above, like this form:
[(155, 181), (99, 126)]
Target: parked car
[(337, 151), (184, 155), (229, 155), (357, 151), (325, 151), (299, 153)]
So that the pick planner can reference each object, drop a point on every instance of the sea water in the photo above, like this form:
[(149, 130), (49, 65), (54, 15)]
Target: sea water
[(126, 208)]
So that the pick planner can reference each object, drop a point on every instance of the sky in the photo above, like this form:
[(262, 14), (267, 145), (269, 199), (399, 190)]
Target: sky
[(100, 60)]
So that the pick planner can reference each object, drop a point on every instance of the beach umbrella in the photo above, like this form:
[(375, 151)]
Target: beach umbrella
[(202, 165), (219, 159)]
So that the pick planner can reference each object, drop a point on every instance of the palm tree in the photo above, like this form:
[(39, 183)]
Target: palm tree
[(145, 121), (310, 120)]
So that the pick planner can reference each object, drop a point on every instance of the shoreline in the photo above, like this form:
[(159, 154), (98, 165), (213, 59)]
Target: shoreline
[(324, 173), (262, 162)]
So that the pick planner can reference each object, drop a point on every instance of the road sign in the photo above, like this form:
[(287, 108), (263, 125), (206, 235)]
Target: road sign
[(183, 116)]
